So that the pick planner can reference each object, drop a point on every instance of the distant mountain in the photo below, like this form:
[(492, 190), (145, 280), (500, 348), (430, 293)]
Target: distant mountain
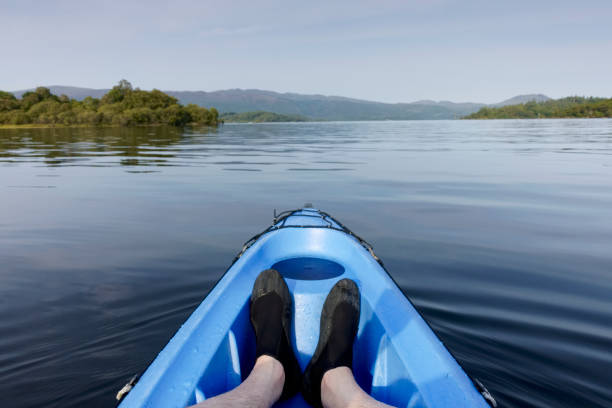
[(523, 99), (310, 106), (322, 107)]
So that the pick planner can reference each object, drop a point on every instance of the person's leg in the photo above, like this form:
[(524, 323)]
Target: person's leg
[(339, 390), (270, 312), (260, 389), (328, 380), (276, 374)]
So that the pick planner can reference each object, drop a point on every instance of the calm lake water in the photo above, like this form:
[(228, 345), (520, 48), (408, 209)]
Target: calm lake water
[(499, 231)]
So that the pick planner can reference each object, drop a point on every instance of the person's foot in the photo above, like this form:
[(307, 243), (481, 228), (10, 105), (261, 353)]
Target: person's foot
[(271, 319), (339, 324)]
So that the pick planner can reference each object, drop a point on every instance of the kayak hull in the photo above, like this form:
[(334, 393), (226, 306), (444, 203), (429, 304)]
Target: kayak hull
[(397, 358)]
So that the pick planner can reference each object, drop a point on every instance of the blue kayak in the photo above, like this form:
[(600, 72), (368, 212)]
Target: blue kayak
[(397, 357)]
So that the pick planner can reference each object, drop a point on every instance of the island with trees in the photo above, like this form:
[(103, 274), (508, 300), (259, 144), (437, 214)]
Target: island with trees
[(570, 107), (121, 106), (261, 116)]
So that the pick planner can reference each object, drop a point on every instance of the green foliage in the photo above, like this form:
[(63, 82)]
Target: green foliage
[(118, 93), (198, 114), (570, 107), (8, 101), (260, 116), (121, 106)]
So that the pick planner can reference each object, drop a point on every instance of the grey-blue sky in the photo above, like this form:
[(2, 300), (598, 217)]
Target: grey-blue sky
[(392, 51)]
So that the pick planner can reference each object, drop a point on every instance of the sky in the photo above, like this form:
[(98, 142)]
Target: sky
[(390, 51)]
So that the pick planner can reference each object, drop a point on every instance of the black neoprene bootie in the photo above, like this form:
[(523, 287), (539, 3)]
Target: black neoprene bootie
[(339, 324), (271, 319)]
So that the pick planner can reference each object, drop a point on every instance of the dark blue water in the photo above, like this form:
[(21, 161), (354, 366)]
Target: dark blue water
[(499, 231)]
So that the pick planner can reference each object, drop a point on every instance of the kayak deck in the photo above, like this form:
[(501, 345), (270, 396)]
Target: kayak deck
[(397, 358)]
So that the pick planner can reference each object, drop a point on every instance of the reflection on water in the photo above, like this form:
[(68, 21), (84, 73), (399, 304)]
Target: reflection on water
[(85, 146), (499, 231)]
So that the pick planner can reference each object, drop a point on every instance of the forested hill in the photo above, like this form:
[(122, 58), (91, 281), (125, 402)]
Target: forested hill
[(321, 107), (522, 99), (313, 107), (120, 106), (571, 107)]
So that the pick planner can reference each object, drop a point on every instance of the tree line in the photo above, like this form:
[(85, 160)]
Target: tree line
[(121, 106), (570, 107), (261, 116)]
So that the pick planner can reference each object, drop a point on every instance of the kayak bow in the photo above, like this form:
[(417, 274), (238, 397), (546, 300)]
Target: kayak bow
[(397, 357)]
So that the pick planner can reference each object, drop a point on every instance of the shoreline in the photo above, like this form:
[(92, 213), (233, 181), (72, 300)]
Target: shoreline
[(86, 126)]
